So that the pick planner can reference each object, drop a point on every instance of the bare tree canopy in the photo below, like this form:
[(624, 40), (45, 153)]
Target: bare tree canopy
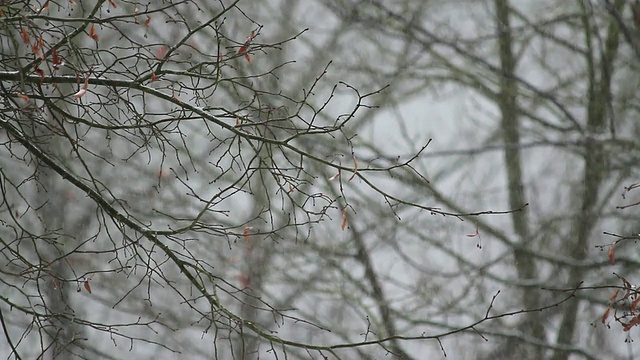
[(322, 179)]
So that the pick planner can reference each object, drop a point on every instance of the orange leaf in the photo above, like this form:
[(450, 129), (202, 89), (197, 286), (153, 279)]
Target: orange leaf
[(83, 90), (615, 294), (148, 21), (627, 294), (37, 46), (56, 59), (612, 260), (632, 323), (344, 219), (23, 97), (634, 304), (92, 32), (25, 35), (35, 50), (246, 233), (153, 77), (40, 72), (355, 168), (474, 234), (87, 286), (161, 52), (626, 283), (606, 315), (244, 48), (80, 93), (113, 3)]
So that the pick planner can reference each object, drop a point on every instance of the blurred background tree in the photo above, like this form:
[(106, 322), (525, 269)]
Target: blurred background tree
[(248, 180), (549, 90)]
